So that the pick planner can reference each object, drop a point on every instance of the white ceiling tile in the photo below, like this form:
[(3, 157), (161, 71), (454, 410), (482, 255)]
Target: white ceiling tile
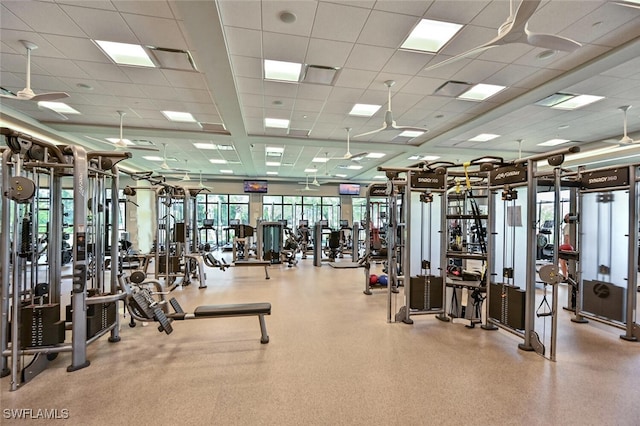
[(242, 14), (480, 71), (511, 75), (407, 62), (422, 85), (346, 94), (103, 72), (365, 57), (244, 42), (244, 66), (328, 53), (249, 100), (304, 11), (279, 102), (339, 22), (47, 18), (185, 79), (386, 29), (314, 91), (10, 21), (355, 78), (158, 9), (276, 88), (101, 24), (148, 76), (415, 8), (284, 47), (249, 85), (59, 67), (156, 32), (463, 12)]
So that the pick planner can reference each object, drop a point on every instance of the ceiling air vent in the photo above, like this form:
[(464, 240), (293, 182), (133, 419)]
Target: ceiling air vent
[(318, 74), (301, 133), (452, 88), (214, 128), (173, 59)]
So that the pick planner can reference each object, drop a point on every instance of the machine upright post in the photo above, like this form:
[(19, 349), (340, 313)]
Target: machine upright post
[(5, 250), (529, 305), (632, 274)]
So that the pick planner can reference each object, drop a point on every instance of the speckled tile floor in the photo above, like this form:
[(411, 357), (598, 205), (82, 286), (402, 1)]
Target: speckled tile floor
[(334, 360)]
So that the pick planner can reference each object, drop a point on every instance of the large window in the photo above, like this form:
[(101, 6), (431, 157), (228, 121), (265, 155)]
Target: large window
[(297, 208), (219, 209)]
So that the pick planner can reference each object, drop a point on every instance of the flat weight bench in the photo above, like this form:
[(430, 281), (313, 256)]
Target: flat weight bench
[(221, 311), (211, 261), (142, 307)]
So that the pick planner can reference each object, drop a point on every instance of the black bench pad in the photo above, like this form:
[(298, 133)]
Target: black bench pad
[(233, 310)]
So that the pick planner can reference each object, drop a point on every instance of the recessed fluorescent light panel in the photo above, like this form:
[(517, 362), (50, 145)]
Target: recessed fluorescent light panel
[(568, 101), (380, 177), (226, 171), (282, 71), (430, 36), (225, 147), (414, 157), (578, 102), (341, 175), (126, 54), (278, 123), (152, 158), (480, 92), (272, 173), (218, 161), (430, 157), (272, 163), (354, 167), (554, 142), (364, 110), (116, 140), (320, 159), (484, 137), (410, 134), (274, 151), (60, 107), (182, 117), (375, 155), (204, 145), (310, 170)]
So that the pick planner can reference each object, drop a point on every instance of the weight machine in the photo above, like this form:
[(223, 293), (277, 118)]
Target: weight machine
[(33, 298), (607, 277)]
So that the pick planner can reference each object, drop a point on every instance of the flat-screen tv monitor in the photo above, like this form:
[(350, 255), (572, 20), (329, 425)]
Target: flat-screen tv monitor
[(234, 222), (259, 186), (284, 222), (349, 189), (207, 223), (303, 222), (344, 223)]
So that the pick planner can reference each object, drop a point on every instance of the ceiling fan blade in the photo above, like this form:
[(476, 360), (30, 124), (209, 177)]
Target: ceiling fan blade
[(355, 157), (417, 129), (525, 10), (550, 41), (142, 148), (625, 4), (372, 132), (51, 96), (474, 51)]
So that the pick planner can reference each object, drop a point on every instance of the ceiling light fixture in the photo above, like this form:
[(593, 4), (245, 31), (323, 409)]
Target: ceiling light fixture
[(218, 161), (272, 163), (375, 155), (276, 123), (480, 92), (226, 171), (125, 53), (430, 36), (568, 101), (410, 134), (484, 137), (554, 142), (364, 110), (181, 117), (282, 71), (59, 107)]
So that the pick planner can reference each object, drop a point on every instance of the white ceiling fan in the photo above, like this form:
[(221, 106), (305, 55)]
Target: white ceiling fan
[(626, 139), (314, 182), (306, 186), (516, 30), (389, 122), (165, 167), (27, 94), (124, 144), (186, 176), (348, 155)]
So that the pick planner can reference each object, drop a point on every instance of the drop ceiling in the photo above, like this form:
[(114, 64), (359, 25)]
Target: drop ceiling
[(228, 42)]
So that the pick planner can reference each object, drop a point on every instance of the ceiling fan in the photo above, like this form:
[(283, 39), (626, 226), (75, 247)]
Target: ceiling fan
[(389, 122), (125, 144), (314, 182), (306, 186), (516, 30), (348, 155), (165, 167), (27, 94), (186, 176), (626, 139)]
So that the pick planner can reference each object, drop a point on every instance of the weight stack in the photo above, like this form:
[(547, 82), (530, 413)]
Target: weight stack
[(41, 326), (507, 305), (426, 292), (99, 317)]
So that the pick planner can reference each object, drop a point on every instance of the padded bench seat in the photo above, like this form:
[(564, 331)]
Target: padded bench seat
[(233, 310)]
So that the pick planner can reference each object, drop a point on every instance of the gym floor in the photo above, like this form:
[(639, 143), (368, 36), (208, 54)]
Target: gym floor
[(334, 360)]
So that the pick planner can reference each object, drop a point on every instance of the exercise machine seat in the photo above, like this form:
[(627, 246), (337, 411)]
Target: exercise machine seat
[(233, 310)]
